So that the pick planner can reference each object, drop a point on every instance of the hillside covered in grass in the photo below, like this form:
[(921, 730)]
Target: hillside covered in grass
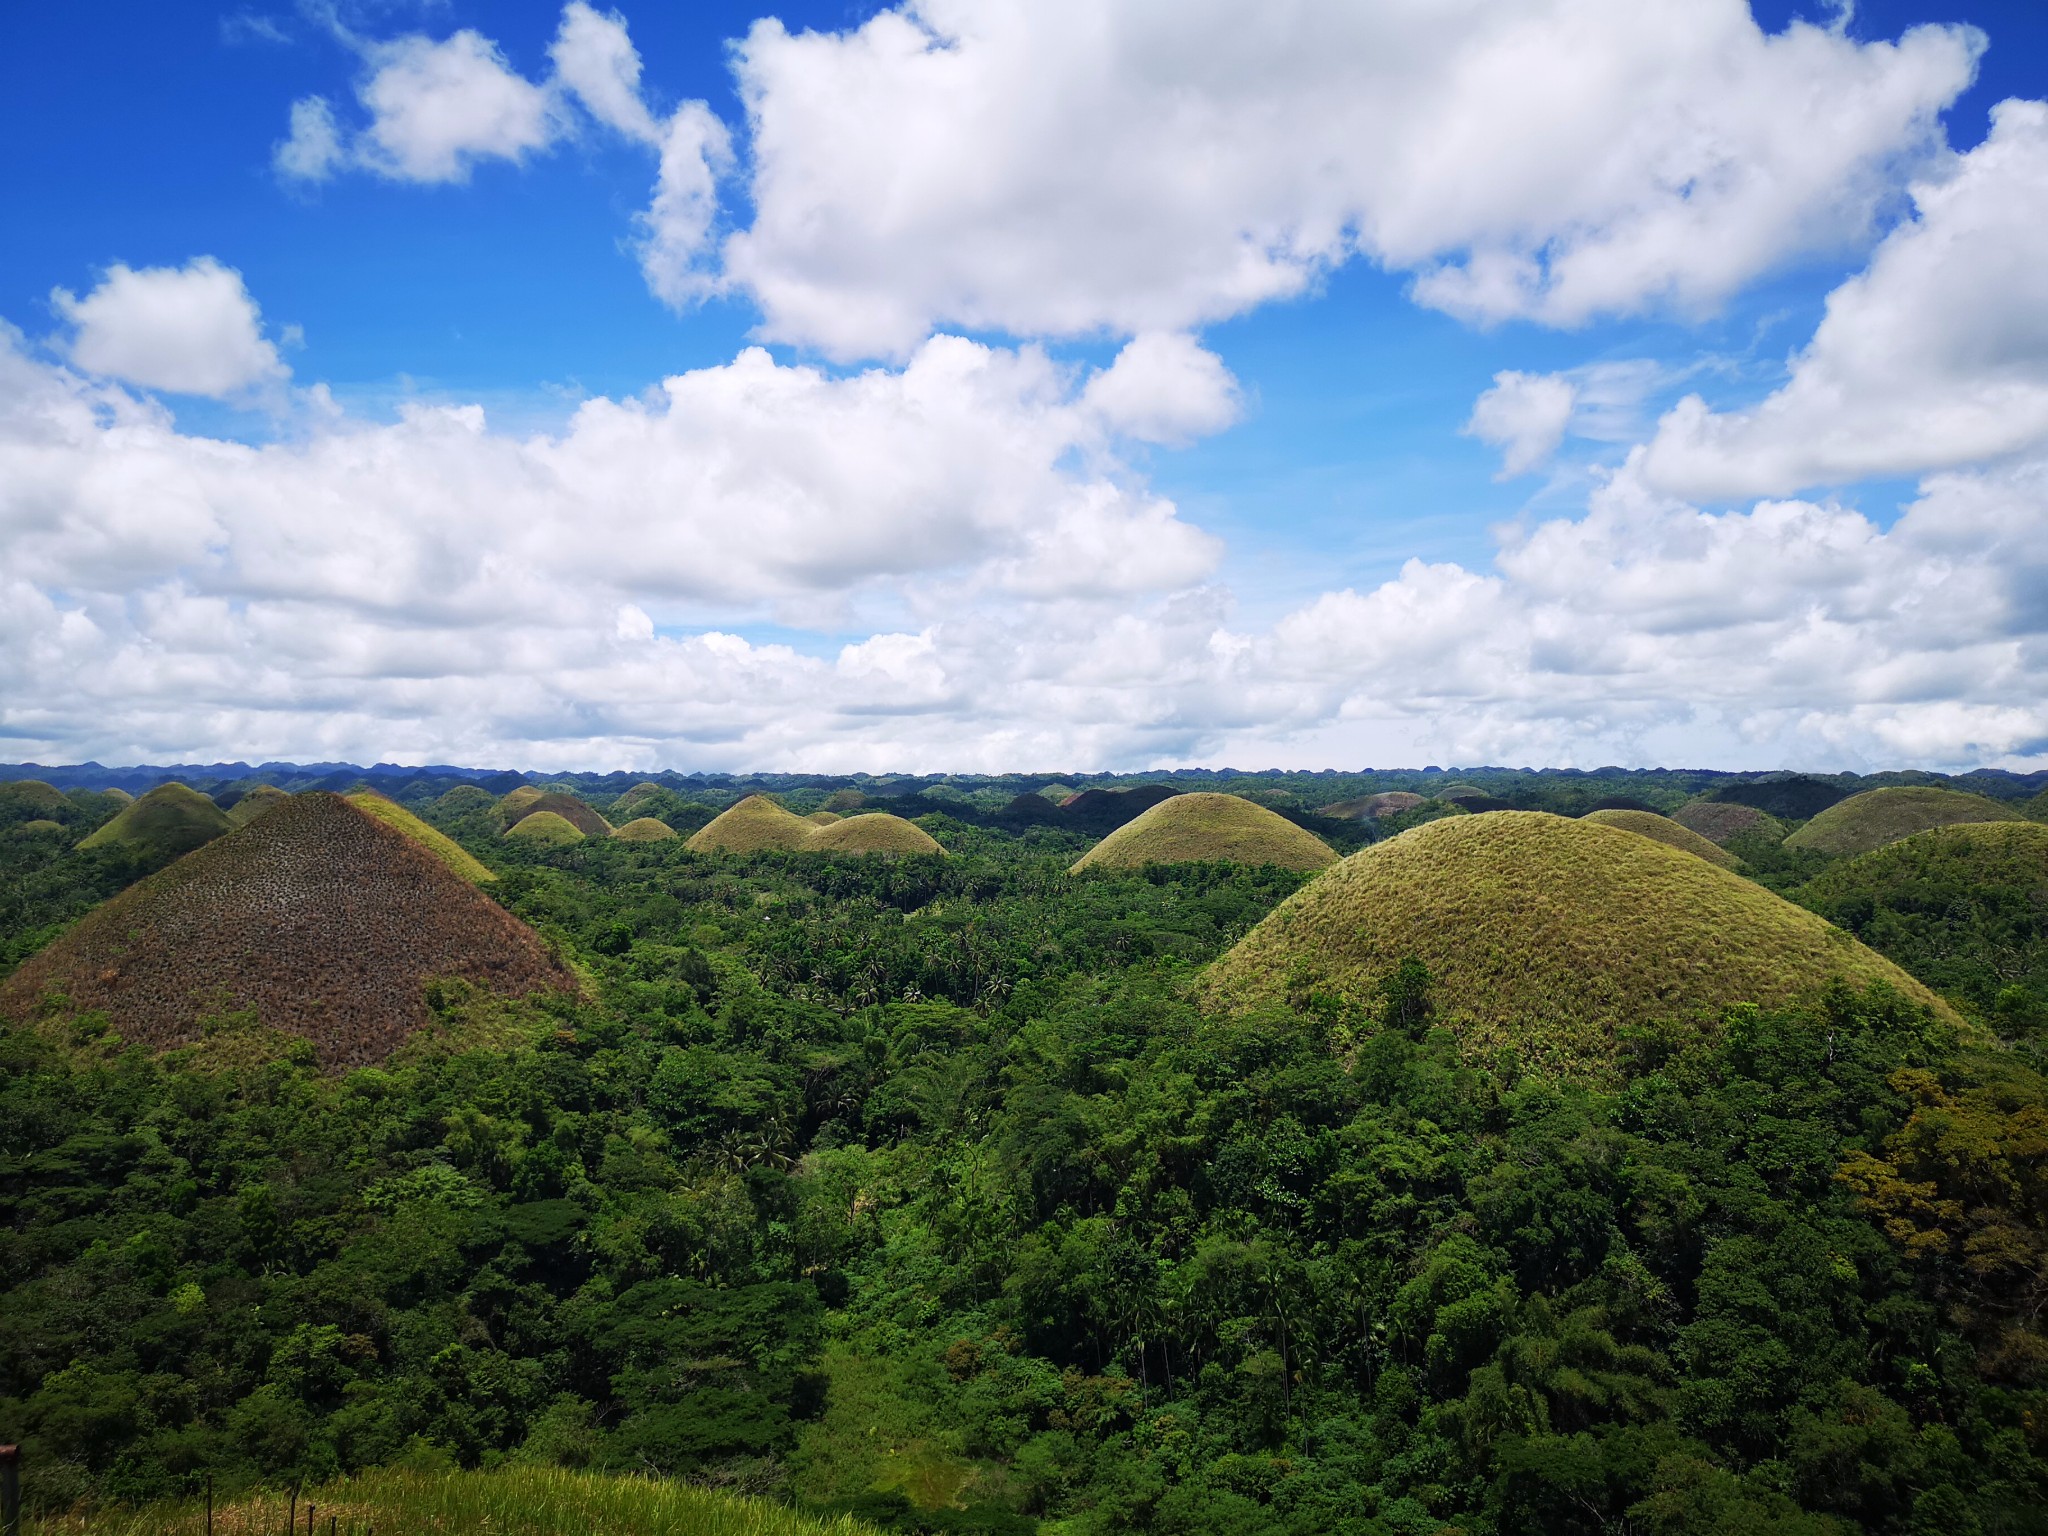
[(1192, 828), (1870, 820)]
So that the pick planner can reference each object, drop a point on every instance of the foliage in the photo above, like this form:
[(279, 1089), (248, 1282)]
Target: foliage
[(1198, 827)]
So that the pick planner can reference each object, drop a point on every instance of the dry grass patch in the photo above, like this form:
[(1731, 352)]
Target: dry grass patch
[(871, 832), (1200, 828), (546, 828), (1667, 832), (754, 824), (644, 829), (1544, 935), (823, 818), (1876, 817), (570, 809), (1719, 820), (170, 820), (438, 843), (318, 917), (1372, 807), (517, 802)]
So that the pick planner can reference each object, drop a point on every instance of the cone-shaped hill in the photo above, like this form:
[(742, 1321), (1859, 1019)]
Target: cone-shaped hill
[(1868, 821), (754, 824), (1719, 820), (822, 818), (1667, 832), (168, 821), (119, 795), (466, 797), (545, 828), (570, 809), (443, 847), (33, 795), (263, 797), (319, 917), (644, 829), (517, 802), (1373, 807), (871, 832), (1198, 828), (1544, 934)]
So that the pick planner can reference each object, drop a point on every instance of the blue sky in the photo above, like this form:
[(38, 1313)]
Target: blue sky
[(1212, 570)]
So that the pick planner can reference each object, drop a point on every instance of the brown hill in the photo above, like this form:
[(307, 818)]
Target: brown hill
[(1102, 811), (1719, 820), (871, 832), (571, 810), (317, 916), (516, 803), (1372, 807), (754, 824)]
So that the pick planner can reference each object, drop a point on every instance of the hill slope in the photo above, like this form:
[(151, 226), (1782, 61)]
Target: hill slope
[(1668, 832), (168, 821), (1543, 934), (871, 832), (582, 817), (1197, 828), (1790, 797), (1965, 908), (1719, 820), (262, 798), (321, 918), (443, 847), (644, 829), (755, 823), (547, 828), (1879, 816)]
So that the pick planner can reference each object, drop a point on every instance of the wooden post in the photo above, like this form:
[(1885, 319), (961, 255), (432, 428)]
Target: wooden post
[(291, 1520), (10, 1490), (310, 1507), (209, 1504)]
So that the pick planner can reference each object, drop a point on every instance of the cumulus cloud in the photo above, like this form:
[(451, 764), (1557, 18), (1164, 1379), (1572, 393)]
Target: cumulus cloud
[(595, 58), (1935, 356), (313, 150), (1525, 416), (1165, 388), (436, 108), (1061, 167), (192, 330)]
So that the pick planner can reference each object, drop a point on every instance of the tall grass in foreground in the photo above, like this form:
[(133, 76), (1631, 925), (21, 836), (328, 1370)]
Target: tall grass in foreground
[(516, 1501)]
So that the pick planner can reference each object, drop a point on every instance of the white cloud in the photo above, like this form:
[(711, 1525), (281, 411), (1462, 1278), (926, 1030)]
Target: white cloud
[(192, 330), (436, 108), (1525, 416), (675, 232), (595, 58), (1064, 167), (313, 150), (1935, 356), (1165, 388)]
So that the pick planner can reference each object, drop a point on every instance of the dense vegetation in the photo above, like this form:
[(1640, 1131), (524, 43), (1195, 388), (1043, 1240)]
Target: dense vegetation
[(923, 1190)]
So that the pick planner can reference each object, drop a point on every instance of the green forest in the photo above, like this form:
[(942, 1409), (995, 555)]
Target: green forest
[(935, 1190)]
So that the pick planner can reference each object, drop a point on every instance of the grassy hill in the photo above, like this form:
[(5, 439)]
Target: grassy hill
[(1965, 907), (438, 843), (1879, 816), (548, 828), (823, 818), (754, 824), (1719, 820), (258, 800), (319, 917), (1199, 828), (1372, 807), (2036, 809), (1667, 832), (517, 802), (168, 821), (570, 809), (644, 829), (513, 1501), (871, 832), (1543, 934), (465, 797)]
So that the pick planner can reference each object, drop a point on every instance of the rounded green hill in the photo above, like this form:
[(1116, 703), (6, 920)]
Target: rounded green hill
[(1372, 807), (40, 826), (823, 818), (443, 847), (169, 821), (33, 795), (262, 798), (1965, 907), (1868, 821), (1667, 832), (316, 916), (1719, 820), (570, 809), (466, 797), (118, 795), (515, 803), (644, 829), (1203, 828), (1543, 935), (754, 824), (871, 832), (547, 828)]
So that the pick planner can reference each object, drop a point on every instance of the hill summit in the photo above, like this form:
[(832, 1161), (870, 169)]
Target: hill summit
[(324, 920), (1544, 935), (1196, 828), (1876, 817), (170, 820)]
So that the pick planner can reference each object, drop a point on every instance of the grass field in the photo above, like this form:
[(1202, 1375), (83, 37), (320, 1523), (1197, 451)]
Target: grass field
[(514, 1501), (1543, 935), (168, 821), (548, 828), (443, 847), (1868, 821), (1719, 820), (1667, 832), (754, 824), (1199, 828), (644, 829), (517, 802), (871, 832)]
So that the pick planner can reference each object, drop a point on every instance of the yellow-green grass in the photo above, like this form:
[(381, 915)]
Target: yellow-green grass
[(120, 796), (1544, 936), (511, 1501), (1201, 828), (262, 798), (2037, 808), (466, 797), (1372, 807), (823, 818), (1982, 854), (634, 794), (41, 826), (644, 829), (754, 824), (547, 828), (438, 843), (570, 809), (516, 803), (34, 794), (1668, 832), (1719, 820), (170, 820), (871, 832), (1876, 817)]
